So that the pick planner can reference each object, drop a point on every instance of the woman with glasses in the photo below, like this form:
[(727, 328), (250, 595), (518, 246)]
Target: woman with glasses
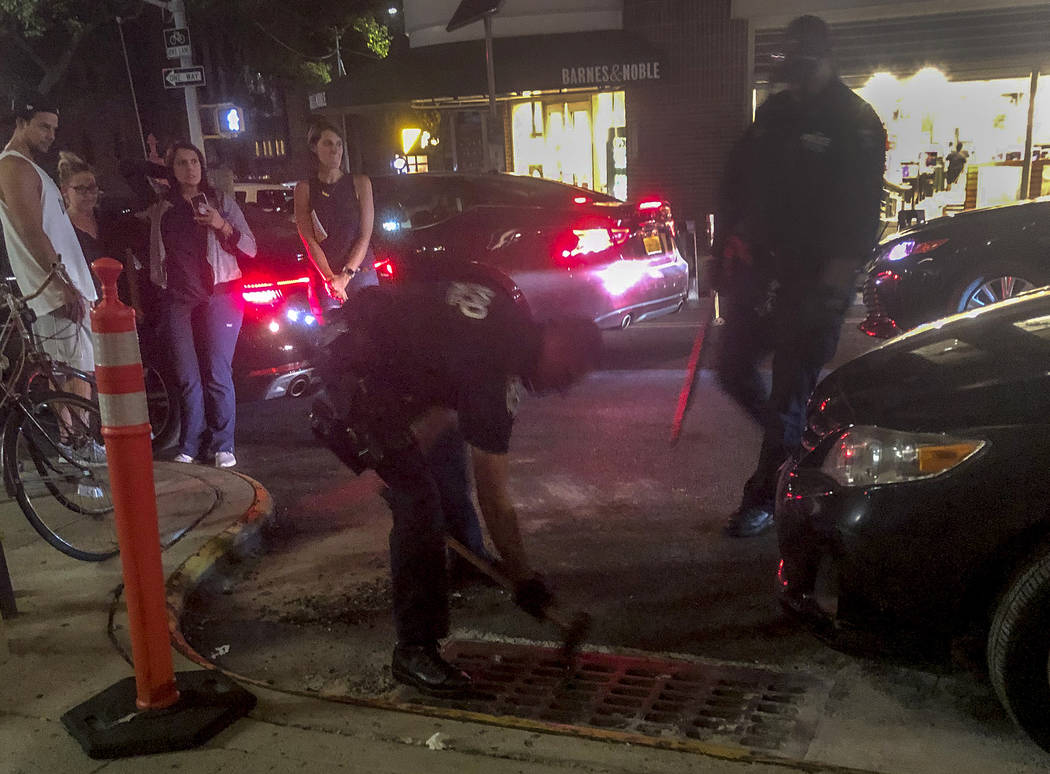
[(100, 236), (80, 192)]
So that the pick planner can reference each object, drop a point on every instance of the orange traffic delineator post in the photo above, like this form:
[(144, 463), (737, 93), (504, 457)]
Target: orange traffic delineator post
[(147, 713)]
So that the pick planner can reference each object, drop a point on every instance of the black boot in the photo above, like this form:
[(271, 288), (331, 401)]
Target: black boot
[(422, 667), (749, 521)]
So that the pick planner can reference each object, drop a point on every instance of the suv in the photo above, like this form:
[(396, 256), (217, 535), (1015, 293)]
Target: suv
[(268, 197)]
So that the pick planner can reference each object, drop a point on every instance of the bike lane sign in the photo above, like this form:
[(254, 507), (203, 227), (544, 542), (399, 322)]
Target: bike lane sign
[(177, 42)]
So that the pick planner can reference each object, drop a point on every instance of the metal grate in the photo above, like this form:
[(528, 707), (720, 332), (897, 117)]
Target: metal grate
[(751, 707)]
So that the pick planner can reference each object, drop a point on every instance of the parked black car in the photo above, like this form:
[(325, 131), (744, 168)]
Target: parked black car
[(922, 504), (281, 320), (557, 248), (954, 264)]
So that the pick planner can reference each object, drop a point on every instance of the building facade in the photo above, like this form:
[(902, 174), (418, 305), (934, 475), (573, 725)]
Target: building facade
[(642, 98)]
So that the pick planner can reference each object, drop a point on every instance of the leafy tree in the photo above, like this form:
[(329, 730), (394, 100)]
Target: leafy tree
[(45, 35), (273, 37)]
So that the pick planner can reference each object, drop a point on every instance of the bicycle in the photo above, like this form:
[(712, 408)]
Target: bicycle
[(51, 448)]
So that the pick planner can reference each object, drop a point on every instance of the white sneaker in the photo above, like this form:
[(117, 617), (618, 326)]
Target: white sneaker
[(225, 459), (184, 458)]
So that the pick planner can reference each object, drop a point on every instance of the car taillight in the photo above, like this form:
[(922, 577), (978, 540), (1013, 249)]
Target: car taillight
[(270, 293), (384, 268), (588, 239), (651, 204)]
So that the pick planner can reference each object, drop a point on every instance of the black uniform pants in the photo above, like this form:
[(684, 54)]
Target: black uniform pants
[(801, 330), (429, 497)]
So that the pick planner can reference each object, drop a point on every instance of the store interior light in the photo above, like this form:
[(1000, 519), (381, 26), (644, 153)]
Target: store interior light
[(409, 137)]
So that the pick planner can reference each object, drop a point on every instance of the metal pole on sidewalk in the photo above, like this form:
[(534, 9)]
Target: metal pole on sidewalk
[(149, 713), (8, 607), (131, 85)]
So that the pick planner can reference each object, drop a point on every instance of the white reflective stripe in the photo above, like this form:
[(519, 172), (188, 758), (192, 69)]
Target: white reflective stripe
[(123, 410), (116, 349)]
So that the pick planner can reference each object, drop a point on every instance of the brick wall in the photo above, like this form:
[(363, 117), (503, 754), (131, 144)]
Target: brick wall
[(680, 131)]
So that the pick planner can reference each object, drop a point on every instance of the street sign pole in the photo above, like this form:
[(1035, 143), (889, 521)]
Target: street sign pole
[(193, 115)]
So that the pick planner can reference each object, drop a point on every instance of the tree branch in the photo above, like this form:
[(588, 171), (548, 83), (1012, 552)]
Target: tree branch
[(25, 48), (53, 74)]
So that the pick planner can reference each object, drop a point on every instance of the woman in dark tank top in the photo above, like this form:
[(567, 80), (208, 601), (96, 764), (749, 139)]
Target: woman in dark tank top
[(334, 214)]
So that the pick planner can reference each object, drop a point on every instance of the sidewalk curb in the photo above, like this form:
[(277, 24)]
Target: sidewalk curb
[(237, 540)]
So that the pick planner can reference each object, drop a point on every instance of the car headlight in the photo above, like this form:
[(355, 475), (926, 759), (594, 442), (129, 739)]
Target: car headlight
[(866, 456)]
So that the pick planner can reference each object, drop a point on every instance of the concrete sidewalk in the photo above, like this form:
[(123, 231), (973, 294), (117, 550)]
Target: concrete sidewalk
[(57, 652)]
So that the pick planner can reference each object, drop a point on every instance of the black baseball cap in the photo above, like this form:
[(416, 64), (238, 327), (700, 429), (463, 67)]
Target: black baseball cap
[(26, 106), (808, 36)]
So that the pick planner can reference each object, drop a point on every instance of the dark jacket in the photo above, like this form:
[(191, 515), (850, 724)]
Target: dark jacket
[(804, 184)]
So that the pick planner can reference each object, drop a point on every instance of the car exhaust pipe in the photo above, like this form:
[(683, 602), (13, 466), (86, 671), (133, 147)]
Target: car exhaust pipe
[(298, 387), (625, 323)]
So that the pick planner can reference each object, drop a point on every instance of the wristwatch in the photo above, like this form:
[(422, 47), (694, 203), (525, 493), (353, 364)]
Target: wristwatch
[(348, 271)]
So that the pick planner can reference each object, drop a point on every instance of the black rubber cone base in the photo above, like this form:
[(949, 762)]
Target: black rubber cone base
[(109, 725)]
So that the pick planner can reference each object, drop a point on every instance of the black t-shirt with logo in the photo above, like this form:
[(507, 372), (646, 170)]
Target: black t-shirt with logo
[(460, 345)]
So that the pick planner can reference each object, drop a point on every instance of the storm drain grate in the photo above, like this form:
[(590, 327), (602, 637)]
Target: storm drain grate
[(725, 704)]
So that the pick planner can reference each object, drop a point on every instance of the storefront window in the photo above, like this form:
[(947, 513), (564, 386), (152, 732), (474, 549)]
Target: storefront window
[(928, 117), (577, 139)]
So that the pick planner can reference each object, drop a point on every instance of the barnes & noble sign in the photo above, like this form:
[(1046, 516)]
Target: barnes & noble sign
[(614, 74)]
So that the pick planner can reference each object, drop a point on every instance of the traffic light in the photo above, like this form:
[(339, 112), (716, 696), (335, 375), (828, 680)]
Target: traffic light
[(222, 120), (230, 120)]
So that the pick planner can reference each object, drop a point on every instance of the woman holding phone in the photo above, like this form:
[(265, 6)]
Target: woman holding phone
[(195, 236), (334, 214)]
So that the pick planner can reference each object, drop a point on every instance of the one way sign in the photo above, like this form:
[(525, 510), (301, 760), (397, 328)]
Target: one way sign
[(179, 77)]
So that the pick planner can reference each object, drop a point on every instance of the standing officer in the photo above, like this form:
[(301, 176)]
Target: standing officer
[(799, 216), (410, 364)]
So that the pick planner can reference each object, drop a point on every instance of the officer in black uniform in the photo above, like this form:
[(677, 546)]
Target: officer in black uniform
[(798, 217), (408, 365)]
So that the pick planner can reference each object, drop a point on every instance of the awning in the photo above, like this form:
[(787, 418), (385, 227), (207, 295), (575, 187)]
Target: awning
[(601, 59), (993, 43)]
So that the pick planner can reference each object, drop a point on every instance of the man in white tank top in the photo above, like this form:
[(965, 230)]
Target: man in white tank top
[(38, 233)]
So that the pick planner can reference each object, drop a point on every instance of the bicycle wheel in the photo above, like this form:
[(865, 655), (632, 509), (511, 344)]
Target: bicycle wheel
[(60, 478)]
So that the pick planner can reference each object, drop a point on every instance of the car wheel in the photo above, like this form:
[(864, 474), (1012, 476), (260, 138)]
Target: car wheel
[(1019, 649), (993, 286), (162, 402)]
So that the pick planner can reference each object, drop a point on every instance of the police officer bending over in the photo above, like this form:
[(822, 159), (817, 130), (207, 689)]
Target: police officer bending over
[(799, 216), (409, 364)]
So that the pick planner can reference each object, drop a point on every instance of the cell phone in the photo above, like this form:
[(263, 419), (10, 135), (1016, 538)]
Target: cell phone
[(200, 203)]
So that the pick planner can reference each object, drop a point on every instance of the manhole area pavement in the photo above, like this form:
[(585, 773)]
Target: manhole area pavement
[(750, 707)]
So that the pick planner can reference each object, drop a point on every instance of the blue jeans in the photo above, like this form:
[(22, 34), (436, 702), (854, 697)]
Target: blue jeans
[(202, 338)]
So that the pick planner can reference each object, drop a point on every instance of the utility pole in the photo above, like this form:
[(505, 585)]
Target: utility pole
[(177, 9), (468, 12)]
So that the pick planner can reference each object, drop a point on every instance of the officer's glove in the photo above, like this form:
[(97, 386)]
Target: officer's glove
[(533, 596)]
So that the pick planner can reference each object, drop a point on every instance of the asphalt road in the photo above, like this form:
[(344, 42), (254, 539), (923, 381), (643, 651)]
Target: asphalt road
[(624, 526)]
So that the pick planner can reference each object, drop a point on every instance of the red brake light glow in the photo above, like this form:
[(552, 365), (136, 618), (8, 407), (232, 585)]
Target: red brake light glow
[(651, 204), (580, 199), (269, 293), (587, 239), (384, 268)]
